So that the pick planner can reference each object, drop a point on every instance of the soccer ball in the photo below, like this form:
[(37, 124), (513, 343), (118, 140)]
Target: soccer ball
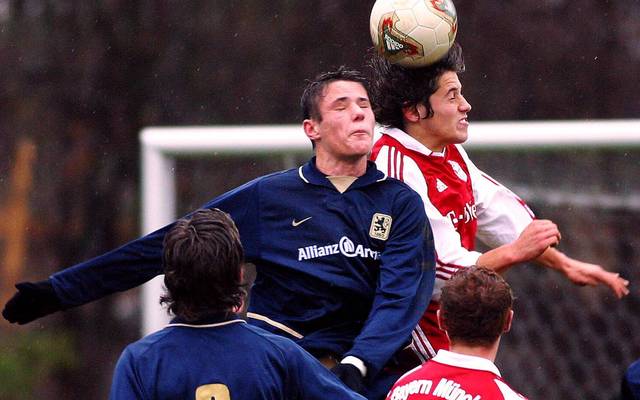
[(413, 33)]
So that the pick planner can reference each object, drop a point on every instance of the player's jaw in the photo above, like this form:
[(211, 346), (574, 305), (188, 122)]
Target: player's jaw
[(360, 141)]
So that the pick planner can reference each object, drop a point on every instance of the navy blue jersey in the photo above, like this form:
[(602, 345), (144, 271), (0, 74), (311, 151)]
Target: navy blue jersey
[(346, 273), (221, 360)]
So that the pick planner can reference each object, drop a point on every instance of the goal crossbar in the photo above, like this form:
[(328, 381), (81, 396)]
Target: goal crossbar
[(161, 146)]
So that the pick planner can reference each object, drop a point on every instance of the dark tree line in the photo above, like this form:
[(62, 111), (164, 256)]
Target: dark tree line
[(79, 79)]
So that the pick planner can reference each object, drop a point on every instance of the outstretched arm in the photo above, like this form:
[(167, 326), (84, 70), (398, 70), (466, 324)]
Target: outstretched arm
[(583, 273), (532, 242), (121, 269)]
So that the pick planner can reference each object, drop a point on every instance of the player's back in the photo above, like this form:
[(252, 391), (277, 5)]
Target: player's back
[(223, 360), (453, 376)]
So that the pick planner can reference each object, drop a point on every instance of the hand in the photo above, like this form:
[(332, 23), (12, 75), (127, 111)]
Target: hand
[(32, 301), (350, 375), (535, 239), (582, 273)]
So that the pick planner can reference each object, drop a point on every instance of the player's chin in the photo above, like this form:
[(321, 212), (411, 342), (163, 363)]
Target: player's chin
[(361, 140), (462, 134)]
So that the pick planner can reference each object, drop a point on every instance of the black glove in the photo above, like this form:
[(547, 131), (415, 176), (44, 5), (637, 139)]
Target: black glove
[(350, 375), (32, 301)]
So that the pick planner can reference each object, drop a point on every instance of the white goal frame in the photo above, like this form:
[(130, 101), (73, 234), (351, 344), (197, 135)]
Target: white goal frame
[(161, 146)]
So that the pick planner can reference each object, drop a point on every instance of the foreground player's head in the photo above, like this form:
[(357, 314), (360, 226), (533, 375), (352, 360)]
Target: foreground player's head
[(395, 88), (475, 307), (202, 261)]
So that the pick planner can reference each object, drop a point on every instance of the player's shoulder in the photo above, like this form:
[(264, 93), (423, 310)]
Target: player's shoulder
[(268, 337), (507, 391), (400, 190), (276, 177), (285, 347), (398, 186), (458, 150), (147, 345)]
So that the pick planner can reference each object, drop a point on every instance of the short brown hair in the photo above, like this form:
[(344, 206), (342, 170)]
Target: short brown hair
[(202, 261), (310, 99), (474, 306)]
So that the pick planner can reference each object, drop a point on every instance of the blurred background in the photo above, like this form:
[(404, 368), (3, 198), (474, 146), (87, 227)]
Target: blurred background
[(80, 79)]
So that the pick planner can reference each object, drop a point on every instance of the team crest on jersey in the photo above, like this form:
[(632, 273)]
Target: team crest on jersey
[(380, 226), (458, 170)]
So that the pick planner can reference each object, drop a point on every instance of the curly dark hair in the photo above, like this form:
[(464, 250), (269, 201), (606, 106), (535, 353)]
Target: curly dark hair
[(474, 305), (394, 87), (202, 261), (310, 99)]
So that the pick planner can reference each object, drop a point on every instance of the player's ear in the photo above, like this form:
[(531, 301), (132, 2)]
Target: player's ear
[(441, 323), (508, 321), (310, 128), (414, 113)]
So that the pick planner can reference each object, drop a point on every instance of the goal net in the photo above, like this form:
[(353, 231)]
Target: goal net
[(566, 342)]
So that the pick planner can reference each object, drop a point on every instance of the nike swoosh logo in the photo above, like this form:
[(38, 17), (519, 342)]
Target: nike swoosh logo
[(295, 223)]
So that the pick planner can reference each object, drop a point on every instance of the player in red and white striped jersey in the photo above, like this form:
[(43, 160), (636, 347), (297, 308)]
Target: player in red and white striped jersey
[(424, 121), (476, 310)]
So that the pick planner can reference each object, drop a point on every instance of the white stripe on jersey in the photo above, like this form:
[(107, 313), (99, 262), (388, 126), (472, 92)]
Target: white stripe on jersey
[(424, 346)]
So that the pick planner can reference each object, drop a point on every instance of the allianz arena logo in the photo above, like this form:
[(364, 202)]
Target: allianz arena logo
[(345, 246)]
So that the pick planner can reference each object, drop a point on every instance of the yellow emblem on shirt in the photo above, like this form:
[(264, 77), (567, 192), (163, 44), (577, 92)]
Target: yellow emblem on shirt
[(380, 226)]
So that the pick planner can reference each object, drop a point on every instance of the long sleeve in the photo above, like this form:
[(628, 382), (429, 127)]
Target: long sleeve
[(141, 260), (405, 285), (502, 215), (310, 380)]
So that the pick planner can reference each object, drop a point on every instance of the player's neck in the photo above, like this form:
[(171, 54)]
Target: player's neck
[(416, 131), (488, 352), (341, 167)]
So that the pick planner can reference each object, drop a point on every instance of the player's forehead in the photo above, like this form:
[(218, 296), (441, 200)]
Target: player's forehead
[(343, 90), (449, 80)]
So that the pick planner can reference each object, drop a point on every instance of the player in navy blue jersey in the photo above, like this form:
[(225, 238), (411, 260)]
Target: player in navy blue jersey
[(207, 351), (344, 255)]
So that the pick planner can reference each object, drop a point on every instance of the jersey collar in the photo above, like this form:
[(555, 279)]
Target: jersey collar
[(465, 361), (310, 174), (410, 142), (217, 319)]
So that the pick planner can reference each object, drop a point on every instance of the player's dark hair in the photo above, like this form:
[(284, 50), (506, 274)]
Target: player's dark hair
[(202, 262), (394, 87), (310, 100), (474, 305)]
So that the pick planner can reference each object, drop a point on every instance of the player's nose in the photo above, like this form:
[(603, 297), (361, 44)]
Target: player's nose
[(465, 106)]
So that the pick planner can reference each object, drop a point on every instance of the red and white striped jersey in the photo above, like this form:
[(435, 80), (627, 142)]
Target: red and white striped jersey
[(462, 204), (452, 375)]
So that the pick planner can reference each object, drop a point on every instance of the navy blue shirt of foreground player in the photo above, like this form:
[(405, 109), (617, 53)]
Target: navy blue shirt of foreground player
[(221, 359), (344, 273)]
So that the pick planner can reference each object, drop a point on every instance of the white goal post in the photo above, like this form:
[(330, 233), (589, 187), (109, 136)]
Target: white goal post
[(161, 146)]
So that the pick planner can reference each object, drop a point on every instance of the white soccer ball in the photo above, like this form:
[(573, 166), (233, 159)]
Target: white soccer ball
[(413, 33)]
